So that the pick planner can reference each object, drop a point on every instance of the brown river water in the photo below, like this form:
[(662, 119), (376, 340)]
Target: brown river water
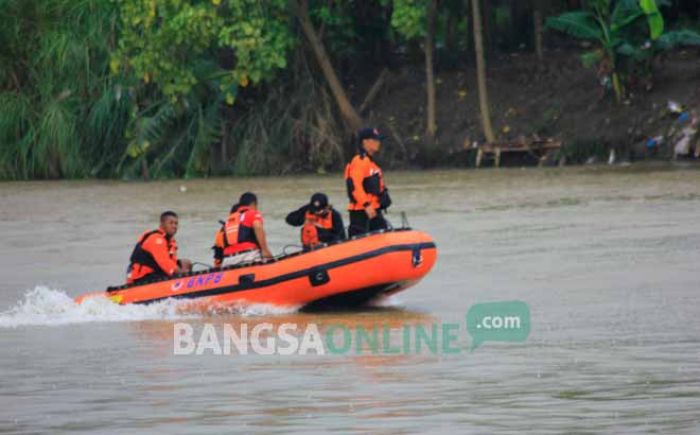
[(608, 260)]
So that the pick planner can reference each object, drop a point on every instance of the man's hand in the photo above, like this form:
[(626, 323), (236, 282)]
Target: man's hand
[(266, 253), (183, 266), (371, 213), (186, 266)]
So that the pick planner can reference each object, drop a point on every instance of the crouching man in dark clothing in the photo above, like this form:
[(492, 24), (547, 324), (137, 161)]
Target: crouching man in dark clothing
[(320, 222)]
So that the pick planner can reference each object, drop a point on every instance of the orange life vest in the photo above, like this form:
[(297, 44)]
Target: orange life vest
[(365, 184), (309, 232), (145, 261), (236, 235)]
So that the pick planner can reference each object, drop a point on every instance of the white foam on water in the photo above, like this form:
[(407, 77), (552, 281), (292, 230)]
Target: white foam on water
[(391, 301), (44, 306)]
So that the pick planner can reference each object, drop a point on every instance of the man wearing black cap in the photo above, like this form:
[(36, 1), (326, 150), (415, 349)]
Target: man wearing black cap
[(365, 184), (320, 222)]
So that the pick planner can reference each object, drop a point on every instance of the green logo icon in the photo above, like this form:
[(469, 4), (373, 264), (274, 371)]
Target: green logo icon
[(498, 321)]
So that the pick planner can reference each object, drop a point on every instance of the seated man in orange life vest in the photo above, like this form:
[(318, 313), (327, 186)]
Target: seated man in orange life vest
[(241, 238), (155, 253), (320, 222)]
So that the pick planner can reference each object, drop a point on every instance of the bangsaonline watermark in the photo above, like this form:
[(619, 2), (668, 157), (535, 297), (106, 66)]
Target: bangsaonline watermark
[(494, 321)]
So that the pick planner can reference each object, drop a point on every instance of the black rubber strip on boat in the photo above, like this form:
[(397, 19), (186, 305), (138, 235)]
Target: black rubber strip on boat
[(346, 300), (292, 275)]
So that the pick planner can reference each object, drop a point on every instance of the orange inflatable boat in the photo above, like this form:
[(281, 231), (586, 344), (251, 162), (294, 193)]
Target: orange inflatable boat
[(344, 274)]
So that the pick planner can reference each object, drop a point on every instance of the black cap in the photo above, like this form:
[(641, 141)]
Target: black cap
[(369, 133), (318, 202)]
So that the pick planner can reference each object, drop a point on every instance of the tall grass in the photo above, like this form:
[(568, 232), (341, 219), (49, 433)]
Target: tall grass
[(57, 98), (62, 114)]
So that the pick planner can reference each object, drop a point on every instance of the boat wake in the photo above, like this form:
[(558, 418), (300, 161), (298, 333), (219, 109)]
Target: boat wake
[(44, 306)]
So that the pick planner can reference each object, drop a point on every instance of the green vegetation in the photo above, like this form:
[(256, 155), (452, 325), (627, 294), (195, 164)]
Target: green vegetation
[(184, 88), (189, 58), (62, 114), (629, 33)]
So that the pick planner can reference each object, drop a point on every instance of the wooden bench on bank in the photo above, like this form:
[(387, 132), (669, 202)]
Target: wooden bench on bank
[(541, 149)]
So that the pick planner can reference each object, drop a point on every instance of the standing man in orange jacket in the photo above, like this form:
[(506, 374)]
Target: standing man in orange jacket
[(155, 253), (365, 184)]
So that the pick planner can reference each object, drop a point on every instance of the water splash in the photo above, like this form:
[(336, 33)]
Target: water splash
[(44, 306), (50, 307)]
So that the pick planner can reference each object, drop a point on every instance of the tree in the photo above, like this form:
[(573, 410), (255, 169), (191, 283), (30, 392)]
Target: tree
[(481, 73), (431, 124), (185, 59), (415, 19), (169, 42), (352, 120), (537, 27)]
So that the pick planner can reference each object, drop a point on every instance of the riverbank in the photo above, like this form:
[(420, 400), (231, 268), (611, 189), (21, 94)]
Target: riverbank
[(557, 98), (291, 126), (107, 102)]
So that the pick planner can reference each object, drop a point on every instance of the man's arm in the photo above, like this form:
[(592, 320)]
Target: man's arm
[(158, 247), (297, 217), (184, 265), (262, 240)]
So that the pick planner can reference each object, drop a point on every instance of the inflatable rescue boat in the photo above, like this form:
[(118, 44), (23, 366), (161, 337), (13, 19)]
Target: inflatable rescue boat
[(344, 274)]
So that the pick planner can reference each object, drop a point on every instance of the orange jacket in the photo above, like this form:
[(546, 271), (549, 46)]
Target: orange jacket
[(154, 253), (364, 181), (237, 234)]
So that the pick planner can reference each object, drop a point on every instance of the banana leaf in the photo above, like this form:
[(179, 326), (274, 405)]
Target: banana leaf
[(580, 24)]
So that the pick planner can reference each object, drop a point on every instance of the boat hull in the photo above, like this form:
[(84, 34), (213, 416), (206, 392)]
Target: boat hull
[(344, 274)]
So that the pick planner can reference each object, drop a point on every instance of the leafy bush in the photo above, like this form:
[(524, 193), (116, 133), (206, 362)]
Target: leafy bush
[(628, 33)]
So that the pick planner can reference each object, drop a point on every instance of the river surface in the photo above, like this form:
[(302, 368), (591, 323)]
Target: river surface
[(608, 261)]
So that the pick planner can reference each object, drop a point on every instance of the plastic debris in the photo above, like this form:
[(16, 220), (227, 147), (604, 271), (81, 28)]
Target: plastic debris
[(654, 142), (674, 107), (682, 147), (683, 117)]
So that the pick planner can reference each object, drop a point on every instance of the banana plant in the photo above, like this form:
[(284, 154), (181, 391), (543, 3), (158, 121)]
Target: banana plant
[(626, 31)]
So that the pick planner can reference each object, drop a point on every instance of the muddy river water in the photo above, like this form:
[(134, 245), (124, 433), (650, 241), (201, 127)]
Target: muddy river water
[(608, 261)]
